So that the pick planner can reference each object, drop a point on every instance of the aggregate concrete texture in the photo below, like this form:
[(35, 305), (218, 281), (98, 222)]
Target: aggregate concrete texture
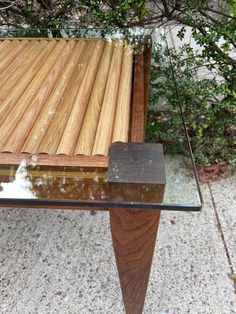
[(63, 262)]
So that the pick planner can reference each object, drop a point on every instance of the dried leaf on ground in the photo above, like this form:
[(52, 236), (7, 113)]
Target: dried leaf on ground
[(232, 277)]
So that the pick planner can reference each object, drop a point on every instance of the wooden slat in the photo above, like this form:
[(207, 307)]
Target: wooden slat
[(58, 123), (122, 116), (89, 126), (9, 103), (105, 125), (71, 132), (20, 133), (54, 160), (14, 50), (13, 73), (15, 115), (138, 101), (4, 48), (50, 109)]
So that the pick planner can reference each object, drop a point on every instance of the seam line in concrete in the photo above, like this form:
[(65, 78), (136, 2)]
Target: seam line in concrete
[(219, 226)]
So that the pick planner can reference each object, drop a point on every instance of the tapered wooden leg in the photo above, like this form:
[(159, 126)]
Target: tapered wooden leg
[(134, 235)]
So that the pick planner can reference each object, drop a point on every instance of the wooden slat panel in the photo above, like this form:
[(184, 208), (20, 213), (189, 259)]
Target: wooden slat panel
[(122, 116), (58, 124), (14, 50), (13, 73), (105, 125), (20, 133), (71, 132), (51, 107), (9, 103), (15, 115), (89, 127), (54, 160), (57, 106)]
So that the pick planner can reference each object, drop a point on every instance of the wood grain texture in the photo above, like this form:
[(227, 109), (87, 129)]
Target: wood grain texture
[(40, 127), (59, 121), (14, 50), (21, 131), (15, 115), (105, 126), (10, 102), (13, 73), (4, 48), (138, 101), (134, 236), (122, 115), (147, 55), (55, 160), (71, 132), (88, 131), (62, 100)]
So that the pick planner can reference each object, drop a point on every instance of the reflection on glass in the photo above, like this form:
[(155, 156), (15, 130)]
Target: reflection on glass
[(20, 187), (84, 186)]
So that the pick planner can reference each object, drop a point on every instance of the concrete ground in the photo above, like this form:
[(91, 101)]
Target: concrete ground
[(63, 262)]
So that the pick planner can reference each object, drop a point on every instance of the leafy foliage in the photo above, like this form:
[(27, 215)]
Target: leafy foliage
[(209, 112), (117, 13), (37, 15)]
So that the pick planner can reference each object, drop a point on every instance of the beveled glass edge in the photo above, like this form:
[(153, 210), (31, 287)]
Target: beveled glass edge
[(99, 204)]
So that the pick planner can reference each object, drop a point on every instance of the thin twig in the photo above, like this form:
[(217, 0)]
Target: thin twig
[(11, 4)]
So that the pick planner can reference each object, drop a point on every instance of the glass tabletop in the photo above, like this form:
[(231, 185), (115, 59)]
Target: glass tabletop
[(30, 184)]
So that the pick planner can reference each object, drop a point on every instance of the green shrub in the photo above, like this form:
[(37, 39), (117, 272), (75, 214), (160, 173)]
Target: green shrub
[(208, 110)]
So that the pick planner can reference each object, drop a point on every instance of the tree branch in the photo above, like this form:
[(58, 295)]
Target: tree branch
[(220, 13)]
